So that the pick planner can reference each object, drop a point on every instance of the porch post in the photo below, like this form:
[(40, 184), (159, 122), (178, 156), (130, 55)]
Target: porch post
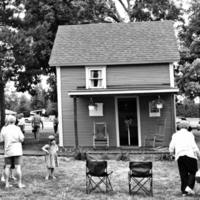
[(75, 123)]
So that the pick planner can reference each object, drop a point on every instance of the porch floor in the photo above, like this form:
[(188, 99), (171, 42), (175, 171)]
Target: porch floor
[(130, 150), (130, 153)]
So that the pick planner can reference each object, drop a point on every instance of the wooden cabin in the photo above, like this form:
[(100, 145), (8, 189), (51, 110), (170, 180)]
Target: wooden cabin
[(119, 75)]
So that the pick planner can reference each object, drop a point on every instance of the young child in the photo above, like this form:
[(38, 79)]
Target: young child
[(51, 157)]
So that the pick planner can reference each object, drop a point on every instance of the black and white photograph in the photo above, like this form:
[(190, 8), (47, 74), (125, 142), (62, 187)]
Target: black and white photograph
[(99, 99)]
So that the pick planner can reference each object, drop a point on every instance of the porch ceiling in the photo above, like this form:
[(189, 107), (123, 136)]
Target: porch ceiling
[(123, 91)]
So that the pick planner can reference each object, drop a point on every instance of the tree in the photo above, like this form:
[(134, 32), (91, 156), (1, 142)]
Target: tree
[(12, 47), (188, 78), (51, 108), (40, 25), (150, 10), (24, 106), (11, 98), (16, 62), (38, 100)]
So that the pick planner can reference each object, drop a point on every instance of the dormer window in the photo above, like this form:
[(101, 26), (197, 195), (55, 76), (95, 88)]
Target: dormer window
[(96, 77)]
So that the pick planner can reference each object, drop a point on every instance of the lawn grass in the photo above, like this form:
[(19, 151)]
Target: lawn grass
[(70, 182)]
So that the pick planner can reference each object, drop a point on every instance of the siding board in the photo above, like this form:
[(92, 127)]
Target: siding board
[(137, 74)]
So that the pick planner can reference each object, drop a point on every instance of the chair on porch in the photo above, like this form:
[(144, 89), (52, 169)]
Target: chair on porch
[(156, 140), (100, 137)]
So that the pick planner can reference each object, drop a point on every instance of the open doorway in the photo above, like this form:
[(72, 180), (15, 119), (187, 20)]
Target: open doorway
[(128, 128)]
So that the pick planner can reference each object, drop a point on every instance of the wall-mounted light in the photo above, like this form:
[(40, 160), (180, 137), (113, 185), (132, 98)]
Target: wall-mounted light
[(92, 105), (159, 103)]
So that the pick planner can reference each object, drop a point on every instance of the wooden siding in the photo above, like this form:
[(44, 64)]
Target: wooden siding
[(138, 74), (70, 79), (152, 125)]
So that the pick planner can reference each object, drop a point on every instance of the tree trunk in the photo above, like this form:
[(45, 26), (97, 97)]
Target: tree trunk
[(2, 104)]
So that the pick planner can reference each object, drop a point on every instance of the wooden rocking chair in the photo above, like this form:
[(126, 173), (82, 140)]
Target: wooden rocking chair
[(100, 137)]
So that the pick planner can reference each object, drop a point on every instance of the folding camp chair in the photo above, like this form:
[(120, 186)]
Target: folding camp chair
[(100, 137), (140, 178), (97, 176)]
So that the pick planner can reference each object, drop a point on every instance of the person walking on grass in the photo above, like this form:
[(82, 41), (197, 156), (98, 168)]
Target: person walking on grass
[(51, 157), (12, 137), (36, 121), (12, 164), (21, 122), (186, 152), (55, 124)]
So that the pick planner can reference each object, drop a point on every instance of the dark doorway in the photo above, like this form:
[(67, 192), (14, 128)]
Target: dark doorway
[(128, 129)]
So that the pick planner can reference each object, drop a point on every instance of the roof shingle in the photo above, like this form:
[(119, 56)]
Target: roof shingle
[(117, 43)]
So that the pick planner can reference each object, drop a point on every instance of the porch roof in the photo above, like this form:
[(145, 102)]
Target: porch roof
[(123, 90)]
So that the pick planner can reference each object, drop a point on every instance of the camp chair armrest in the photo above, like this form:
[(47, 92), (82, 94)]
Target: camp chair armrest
[(129, 172), (109, 173)]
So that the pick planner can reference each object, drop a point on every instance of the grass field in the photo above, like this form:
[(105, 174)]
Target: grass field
[(70, 182)]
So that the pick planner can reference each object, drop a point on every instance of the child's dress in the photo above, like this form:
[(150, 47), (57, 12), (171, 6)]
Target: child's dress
[(51, 158)]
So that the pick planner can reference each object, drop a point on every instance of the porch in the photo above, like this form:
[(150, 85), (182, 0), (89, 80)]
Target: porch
[(129, 119), (122, 153), (131, 151)]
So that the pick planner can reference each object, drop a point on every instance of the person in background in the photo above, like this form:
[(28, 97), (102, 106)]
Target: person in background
[(55, 124), (186, 152), (17, 119), (12, 137), (21, 122), (51, 150), (12, 164), (36, 121)]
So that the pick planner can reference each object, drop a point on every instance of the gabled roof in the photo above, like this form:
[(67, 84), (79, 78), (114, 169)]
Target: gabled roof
[(115, 43)]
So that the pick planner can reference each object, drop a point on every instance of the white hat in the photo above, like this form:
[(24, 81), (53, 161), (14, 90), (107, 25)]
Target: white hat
[(51, 137), (11, 119)]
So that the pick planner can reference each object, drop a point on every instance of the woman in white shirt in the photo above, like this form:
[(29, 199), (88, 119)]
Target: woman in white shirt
[(186, 152)]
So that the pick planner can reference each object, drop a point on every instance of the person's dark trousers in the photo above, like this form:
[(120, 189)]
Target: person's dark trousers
[(55, 128), (187, 168)]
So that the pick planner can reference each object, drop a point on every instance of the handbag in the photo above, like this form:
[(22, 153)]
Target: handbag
[(197, 176)]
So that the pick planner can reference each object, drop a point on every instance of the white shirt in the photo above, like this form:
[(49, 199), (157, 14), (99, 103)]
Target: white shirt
[(12, 137), (183, 144), (21, 121)]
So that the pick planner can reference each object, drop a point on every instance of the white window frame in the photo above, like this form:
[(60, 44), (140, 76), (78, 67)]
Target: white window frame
[(88, 69)]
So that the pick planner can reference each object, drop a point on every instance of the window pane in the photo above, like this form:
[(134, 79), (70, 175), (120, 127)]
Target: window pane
[(96, 74), (96, 83), (100, 83)]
